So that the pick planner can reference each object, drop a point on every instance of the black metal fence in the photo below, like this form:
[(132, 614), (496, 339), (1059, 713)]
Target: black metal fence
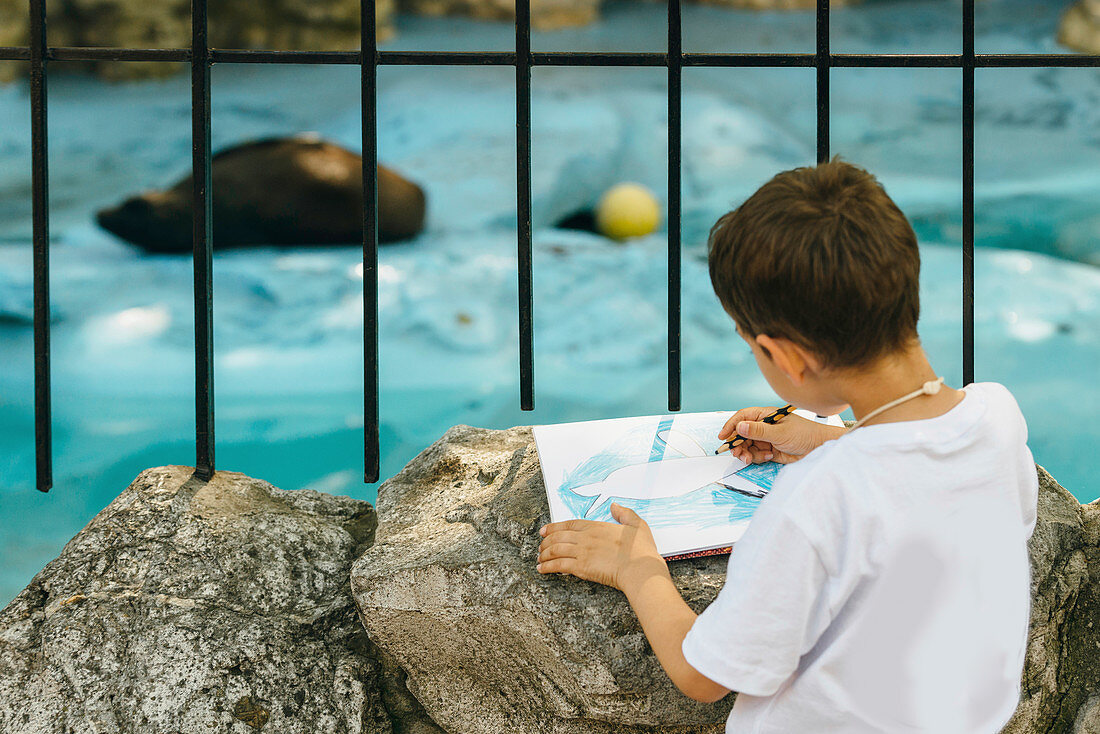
[(201, 57)]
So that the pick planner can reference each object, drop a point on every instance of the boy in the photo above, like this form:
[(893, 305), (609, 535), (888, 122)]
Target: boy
[(883, 583)]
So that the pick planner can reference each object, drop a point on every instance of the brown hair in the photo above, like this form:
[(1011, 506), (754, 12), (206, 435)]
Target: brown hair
[(822, 256)]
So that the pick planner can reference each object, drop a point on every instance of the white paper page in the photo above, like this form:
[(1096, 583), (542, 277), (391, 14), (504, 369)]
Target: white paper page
[(662, 467)]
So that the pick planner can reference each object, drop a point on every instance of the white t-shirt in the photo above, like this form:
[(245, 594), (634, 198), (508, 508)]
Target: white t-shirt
[(883, 584)]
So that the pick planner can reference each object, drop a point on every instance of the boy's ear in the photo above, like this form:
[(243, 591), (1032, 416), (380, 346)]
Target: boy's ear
[(791, 359), (813, 362)]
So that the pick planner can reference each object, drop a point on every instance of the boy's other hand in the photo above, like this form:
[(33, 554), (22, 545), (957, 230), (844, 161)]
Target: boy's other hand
[(621, 554), (788, 440)]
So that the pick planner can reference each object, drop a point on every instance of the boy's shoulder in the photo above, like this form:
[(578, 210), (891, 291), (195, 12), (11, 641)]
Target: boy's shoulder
[(987, 409), (813, 484), (849, 480), (1003, 404)]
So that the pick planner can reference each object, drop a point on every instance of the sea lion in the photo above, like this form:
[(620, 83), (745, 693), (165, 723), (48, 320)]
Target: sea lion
[(276, 191)]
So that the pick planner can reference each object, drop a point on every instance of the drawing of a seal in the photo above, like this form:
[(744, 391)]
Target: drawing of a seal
[(299, 190)]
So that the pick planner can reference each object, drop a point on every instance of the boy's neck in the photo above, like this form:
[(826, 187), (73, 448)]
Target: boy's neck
[(893, 377)]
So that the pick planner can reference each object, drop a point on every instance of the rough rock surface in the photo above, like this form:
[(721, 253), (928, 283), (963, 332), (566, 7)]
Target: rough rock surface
[(191, 606), (1080, 27), (545, 14), (777, 4), (450, 593), (308, 25), (1061, 682), (317, 25), (550, 14), (224, 605), (476, 641)]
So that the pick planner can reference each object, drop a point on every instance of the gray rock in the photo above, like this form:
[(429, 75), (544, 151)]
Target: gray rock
[(310, 25), (190, 606), (1088, 717), (545, 14), (480, 642), (1062, 669), (552, 14), (777, 4), (293, 25), (449, 591), (1079, 28)]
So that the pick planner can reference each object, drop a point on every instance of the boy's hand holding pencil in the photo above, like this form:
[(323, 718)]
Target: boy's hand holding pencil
[(785, 438)]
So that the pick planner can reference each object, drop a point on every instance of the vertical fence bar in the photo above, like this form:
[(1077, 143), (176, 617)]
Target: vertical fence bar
[(523, 204), (968, 191), (675, 61), (369, 90), (40, 219), (203, 243), (821, 62)]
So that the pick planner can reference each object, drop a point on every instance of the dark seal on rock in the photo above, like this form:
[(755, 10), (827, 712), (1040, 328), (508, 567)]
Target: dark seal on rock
[(277, 191)]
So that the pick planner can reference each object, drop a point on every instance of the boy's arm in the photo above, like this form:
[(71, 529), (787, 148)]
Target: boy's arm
[(624, 555), (666, 619), (777, 600)]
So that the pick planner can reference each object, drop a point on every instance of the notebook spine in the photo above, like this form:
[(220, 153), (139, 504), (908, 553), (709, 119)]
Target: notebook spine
[(700, 554)]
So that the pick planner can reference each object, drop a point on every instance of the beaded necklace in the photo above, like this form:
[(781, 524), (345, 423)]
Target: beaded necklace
[(929, 388)]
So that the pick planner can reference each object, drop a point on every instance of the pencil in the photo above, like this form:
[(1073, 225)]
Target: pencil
[(773, 418)]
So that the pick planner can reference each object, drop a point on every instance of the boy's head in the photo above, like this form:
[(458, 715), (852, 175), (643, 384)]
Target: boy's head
[(822, 257)]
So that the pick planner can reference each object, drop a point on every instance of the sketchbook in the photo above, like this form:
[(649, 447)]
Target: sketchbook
[(664, 468)]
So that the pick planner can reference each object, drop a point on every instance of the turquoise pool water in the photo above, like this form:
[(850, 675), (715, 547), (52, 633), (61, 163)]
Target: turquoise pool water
[(288, 329)]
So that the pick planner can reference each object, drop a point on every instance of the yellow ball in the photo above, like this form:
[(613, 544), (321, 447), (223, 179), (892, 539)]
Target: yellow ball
[(627, 210)]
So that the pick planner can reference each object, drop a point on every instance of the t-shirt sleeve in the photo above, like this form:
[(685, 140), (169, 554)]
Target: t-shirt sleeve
[(1029, 476), (771, 610), (1029, 493)]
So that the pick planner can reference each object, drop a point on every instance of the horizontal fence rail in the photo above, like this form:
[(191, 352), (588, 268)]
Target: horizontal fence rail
[(200, 56), (556, 58)]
